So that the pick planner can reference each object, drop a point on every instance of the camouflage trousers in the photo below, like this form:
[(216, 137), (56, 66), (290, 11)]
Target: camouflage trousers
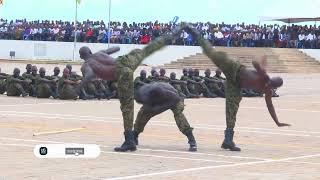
[(69, 91), (15, 89), (126, 65), (90, 88), (178, 87), (231, 69), (3, 87), (144, 116), (202, 89), (45, 90)]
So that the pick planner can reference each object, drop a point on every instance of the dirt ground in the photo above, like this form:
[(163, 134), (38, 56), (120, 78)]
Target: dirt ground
[(268, 152)]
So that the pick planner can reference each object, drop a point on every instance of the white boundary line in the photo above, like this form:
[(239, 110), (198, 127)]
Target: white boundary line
[(134, 154), (73, 116), (158, 150), (264, 108), (211, 167), (165, 157), (155, 123)]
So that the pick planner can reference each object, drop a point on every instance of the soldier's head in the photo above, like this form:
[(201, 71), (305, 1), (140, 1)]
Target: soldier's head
[(34, 70), (153, 70), (196, 72), (276, 82), (173, 75), (143, 74), (16, 72), (185, 71), (190, 72), (66, 72), (218, 72), (85, 52), (69, 66), (207, 72), (56, 71), (156, 74), (28, 68), (42, 71), (162, 72)]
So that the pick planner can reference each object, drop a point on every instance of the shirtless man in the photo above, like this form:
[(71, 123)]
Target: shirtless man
[(159, 97), (103, 66), (238, 76)]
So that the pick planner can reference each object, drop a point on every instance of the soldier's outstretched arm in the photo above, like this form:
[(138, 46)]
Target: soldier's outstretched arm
[(111, 50), (268, 96)]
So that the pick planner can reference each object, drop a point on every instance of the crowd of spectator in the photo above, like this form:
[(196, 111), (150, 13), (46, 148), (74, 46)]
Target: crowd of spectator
[(236, 35)]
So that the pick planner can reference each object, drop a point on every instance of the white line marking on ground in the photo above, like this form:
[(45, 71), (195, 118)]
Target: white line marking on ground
[(211, 167), (155, 150), (264, 108), (197, 153), (304, 162), (23, 145), (165, 157), (134, 154), (154, 123)]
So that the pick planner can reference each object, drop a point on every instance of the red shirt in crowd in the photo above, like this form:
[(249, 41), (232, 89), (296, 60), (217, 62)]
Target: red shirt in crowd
[(145, 39)]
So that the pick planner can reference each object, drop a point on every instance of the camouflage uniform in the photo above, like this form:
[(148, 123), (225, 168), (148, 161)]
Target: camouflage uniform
[(200, 88), (231, 69), (144, 116), (44, 89), (214, 86), (75, 77), (191, 87), (178, 87), (67, 91), (90, 88), (125, 67), (14, 88), (3, 83), (164, 79), (30, 88)]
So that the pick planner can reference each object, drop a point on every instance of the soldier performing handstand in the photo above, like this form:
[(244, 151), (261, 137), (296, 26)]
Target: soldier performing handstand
[(238, 76), (103, 66), (156, 98)]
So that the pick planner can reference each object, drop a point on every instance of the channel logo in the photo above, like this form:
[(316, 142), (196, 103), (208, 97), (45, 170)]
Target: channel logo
[(67, 151)]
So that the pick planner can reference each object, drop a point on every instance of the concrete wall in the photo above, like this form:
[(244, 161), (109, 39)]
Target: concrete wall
[(315, 53), (43, 50)]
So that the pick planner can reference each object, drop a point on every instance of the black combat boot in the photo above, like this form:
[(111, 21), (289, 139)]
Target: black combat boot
[(129, 144), (136, 137), (191, 141), (228, 140)]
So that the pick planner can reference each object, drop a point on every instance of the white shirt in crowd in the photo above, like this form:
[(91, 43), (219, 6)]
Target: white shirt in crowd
[(218, 35), (238, 28), (56, 30), (311, 37), (102, 31), (205, 27), (185, 35), (301, 37), (3, 29)]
